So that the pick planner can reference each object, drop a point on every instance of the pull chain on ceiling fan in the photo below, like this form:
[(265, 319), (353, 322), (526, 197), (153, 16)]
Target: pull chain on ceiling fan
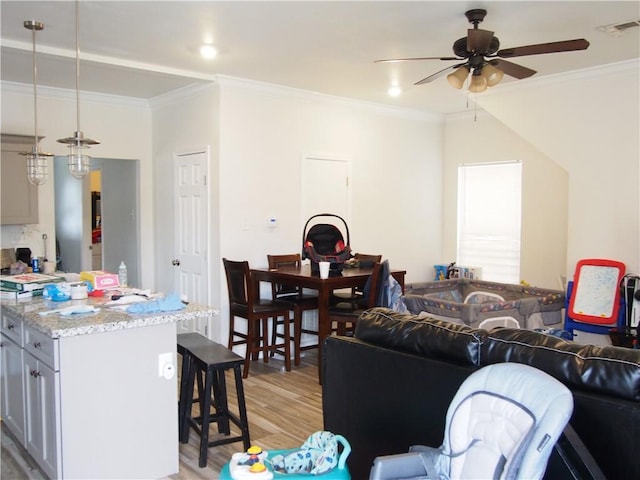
[(481, 57)]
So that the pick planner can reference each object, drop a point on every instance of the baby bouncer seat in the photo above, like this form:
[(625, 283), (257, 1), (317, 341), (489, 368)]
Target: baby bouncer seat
[(502, 424), (322, 455)]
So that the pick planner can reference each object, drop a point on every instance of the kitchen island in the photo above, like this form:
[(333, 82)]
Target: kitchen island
[(92, 396)]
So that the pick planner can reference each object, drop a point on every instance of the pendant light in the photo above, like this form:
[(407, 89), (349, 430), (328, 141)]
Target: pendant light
[(37, 161), (79, 163)]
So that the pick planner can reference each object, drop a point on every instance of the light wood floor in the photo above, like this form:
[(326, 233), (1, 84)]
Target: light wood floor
[(283, 408)]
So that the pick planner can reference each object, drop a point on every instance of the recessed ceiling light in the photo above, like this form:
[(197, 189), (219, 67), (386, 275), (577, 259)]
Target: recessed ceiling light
[(208, 51), (394, 91)]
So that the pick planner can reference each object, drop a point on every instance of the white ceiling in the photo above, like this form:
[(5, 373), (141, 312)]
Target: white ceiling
[(144, 49)]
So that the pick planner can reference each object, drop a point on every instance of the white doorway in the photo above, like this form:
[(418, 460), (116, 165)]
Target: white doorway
[(119, 217), (191, 261), (325, 187)]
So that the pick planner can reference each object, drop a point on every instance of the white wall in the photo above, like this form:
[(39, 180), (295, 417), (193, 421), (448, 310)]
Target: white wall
[(184, 121), (544, 193), (396, 174), (122, 125), (588, 123)]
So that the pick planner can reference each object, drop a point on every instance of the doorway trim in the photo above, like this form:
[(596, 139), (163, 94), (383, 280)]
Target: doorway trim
[(203, 226)]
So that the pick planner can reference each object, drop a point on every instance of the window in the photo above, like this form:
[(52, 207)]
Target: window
[(489, 201)]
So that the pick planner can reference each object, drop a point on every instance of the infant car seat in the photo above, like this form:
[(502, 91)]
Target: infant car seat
[(502, 424), (324, 243)]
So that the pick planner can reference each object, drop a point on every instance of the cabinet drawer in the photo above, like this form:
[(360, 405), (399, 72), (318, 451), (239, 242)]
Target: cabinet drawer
[(12, 327), (41, 346)]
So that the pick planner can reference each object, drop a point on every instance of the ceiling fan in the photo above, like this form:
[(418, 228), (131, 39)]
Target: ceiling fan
[(481, 56)]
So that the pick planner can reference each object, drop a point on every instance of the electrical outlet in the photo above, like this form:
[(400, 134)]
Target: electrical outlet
[(164, 360)]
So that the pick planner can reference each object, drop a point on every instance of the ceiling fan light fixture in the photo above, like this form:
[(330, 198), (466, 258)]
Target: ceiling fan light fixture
[(478, 83), (457, 78), (492, 74)]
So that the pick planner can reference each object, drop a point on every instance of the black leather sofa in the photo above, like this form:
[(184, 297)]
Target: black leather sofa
[(390, 385)]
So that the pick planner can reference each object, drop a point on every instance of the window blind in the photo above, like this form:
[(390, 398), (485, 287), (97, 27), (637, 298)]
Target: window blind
[(489, 213)]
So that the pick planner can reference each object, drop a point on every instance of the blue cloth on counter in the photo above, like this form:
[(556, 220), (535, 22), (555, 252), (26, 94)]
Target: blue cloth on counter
[(169, 303)]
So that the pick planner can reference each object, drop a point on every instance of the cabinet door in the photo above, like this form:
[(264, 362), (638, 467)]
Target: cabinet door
[(12, 388), (43, 419), (19, 199)]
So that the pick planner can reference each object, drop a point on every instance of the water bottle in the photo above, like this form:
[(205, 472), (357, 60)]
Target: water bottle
[(122, 274)]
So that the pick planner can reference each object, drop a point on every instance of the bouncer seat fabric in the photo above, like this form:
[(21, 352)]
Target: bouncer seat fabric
[(502, 424)]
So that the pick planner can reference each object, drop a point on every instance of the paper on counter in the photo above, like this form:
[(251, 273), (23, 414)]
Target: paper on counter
[(73, 310)]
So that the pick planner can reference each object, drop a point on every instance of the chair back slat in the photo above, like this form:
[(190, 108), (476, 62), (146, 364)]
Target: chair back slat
[(375, 284), (278, 261), (239, 282)]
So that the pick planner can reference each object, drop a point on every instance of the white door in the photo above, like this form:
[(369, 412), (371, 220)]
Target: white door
[(191, 228), (325, 188)]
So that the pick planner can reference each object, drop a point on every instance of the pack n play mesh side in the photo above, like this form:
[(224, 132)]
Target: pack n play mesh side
[(324, 242)]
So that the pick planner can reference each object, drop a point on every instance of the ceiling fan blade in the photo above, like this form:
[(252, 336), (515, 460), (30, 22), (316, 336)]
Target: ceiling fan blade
[(390, 60), (438, 74), (478, 40), (512, 69), (552, 47)]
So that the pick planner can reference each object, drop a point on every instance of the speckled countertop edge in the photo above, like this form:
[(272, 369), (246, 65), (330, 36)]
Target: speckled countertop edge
[(105, 320)]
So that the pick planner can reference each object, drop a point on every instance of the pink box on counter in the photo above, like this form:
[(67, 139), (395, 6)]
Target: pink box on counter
[(101, 280)]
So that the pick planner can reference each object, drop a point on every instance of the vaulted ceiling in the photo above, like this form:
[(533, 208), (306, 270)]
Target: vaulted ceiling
[(147, 48)]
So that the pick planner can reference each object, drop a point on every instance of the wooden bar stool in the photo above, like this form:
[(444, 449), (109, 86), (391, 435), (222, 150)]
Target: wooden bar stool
[(206, 362)]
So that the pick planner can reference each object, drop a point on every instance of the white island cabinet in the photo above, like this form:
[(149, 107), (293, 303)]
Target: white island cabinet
[(93, 398)]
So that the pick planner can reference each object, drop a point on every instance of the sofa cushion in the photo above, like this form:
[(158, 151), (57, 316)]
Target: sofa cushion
[(421, 335), (602, 369)]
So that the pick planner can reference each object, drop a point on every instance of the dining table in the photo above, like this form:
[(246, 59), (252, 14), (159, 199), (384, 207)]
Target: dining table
[(305, 277)]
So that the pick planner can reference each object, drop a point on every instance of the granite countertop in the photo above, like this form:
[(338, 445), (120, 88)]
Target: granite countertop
[(105, 320)]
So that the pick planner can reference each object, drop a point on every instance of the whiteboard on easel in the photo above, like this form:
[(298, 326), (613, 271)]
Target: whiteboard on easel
[(596, 292)]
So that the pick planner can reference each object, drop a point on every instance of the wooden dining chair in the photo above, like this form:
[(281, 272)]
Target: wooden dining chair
[(245, 302), (297, 300), (344, 315), (355, 294)]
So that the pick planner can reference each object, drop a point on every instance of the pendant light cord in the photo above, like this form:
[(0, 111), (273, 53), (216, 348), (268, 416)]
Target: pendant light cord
[(77, 66), (35, 91)]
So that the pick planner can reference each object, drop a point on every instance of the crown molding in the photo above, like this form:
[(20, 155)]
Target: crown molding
[(307, 95), (572, 76), (183, 93), (475, 109), (66, 94)]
